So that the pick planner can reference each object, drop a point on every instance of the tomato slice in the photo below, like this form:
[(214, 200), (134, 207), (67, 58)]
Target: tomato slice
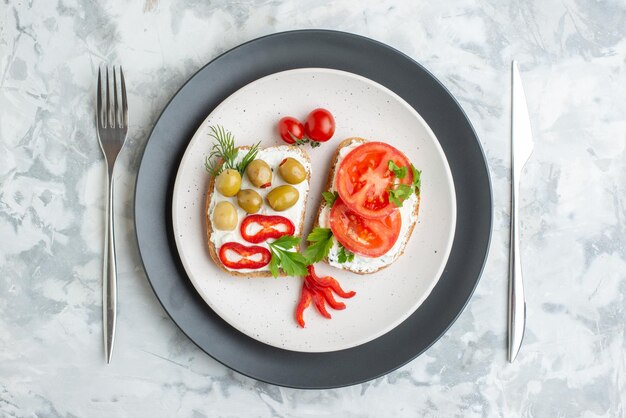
[(238, 256), (367, 237), (363, 178), (258, 228)]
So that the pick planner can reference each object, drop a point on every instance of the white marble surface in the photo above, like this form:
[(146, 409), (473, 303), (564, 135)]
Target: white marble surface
[(572, 54)]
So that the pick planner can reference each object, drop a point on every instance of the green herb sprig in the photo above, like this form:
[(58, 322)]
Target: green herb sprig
[(417, 179), (292, 262), (330, 198), (400, 192), (400, 172), (344, 254), (224, 153), (321, 240)]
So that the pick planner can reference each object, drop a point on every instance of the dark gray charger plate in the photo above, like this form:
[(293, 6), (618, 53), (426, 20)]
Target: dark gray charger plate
[(222, 77)]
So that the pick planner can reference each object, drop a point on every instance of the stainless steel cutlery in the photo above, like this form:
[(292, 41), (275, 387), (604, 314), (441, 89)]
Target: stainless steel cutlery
[(112, 122), (521, 149)]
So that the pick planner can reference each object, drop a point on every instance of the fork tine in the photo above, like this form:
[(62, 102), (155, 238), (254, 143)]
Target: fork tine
[(124, 101), (116, 118), (99, 101), (107, 111)]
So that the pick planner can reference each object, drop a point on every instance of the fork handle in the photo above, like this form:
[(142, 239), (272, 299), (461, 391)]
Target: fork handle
[(109, 294)]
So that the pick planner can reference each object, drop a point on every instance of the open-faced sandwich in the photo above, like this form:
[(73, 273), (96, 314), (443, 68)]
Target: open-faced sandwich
[(369, 210), (255, 205), (256, 202)]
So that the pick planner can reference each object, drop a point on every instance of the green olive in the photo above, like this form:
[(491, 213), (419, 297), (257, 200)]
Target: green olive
[(228, 182), (292, 171), (283, 197), (225, 216), (259, 173), (249, 200)]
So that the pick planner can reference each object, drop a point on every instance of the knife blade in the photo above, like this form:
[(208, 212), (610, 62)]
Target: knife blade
[(521, 149)]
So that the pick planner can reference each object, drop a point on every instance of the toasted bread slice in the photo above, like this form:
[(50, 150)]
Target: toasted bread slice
[(276, 154), (362, 264)]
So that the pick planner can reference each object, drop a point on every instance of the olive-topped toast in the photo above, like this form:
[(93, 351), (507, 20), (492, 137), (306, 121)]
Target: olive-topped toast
[(255, 206)]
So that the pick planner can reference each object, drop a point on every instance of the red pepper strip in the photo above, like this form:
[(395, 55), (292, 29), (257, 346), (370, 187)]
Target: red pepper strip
[(320, 291), (318, 299), (326, 292), (334, 285), (269, 227), (246, 254), (305, 301), (330, 299), (328, 281)]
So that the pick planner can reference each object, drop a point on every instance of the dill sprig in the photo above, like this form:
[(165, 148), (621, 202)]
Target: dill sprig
[(224, 153), (248, 158)]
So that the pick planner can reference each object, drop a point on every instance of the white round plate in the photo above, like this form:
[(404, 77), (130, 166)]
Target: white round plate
[(263, 308)]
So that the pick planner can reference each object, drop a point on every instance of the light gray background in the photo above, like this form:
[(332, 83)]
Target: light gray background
[(572, 55)]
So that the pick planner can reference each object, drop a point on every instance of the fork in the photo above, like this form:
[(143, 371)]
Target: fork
[(112, 122)]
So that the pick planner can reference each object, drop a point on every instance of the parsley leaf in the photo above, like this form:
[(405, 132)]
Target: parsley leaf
[(292, 262), (274, 262), (321, 240), (330, 198), (417, 180), (398, 195), (400, 172), (344, 254), (286, 242), (401, 192)]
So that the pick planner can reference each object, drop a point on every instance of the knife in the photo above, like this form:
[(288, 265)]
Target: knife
[(521, 148)]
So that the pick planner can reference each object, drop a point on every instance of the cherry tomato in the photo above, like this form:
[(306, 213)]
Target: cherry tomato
[(290, 130), (319, 125), (237, 256), (363, 178), (258, 228), (367, 237)]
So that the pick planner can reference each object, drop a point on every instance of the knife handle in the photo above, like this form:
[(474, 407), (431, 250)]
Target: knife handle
[(517, 301)]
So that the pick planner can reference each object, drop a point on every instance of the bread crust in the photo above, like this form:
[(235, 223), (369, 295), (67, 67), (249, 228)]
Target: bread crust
[(331, 177), (209, 223)]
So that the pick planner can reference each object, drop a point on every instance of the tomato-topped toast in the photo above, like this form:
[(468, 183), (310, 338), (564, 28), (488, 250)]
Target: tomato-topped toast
[(370, 206)]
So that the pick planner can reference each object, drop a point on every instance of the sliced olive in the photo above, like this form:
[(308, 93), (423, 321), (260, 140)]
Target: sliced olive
[(283, 197), (292, 171), (249, 200), (225, 216), (228, 182), (259, 173)]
